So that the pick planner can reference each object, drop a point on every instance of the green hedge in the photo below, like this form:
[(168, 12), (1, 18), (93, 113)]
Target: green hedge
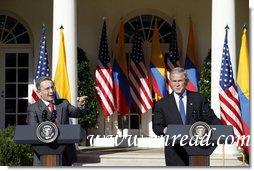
[(86, 87), (12, 154)]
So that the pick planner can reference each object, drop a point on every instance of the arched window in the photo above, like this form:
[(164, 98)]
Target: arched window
[(12, 31), (145, 24)]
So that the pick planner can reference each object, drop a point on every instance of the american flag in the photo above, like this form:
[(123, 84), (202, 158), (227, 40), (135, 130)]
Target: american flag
[(172, 56), (228, 95), (140, 92), (43, 65), (103, 74)]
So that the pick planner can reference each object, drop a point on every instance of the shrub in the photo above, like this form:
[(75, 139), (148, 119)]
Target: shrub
[(86, 87), (12, 154), (205, 78)]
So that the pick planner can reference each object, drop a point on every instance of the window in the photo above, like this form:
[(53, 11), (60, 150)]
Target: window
[(15, 71), (145, 24), (12, 31)]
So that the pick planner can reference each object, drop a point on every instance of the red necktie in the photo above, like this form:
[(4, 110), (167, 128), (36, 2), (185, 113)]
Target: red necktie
[(51, 107)]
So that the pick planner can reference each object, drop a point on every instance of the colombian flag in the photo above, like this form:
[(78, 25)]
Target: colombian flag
[(120, 79), (192, 62), (61, 76), (157, 66), (243, 84)]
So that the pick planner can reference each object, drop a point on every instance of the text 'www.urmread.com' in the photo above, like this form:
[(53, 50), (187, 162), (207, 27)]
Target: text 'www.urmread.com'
[(182, 140)]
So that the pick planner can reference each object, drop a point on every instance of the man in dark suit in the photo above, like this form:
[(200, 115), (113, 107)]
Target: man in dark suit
[(64, 110), (180, 107)]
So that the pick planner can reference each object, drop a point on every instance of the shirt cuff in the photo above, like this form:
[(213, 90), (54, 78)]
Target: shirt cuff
[(165, 130), (81, 107)]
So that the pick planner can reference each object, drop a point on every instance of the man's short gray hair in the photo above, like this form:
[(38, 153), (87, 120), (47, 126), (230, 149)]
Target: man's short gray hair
[(41, 79), (179, 70)]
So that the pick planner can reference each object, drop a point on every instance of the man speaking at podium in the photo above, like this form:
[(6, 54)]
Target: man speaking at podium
[(180, 107), (62, 110)]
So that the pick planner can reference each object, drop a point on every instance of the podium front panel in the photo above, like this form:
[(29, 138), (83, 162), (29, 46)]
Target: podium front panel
[(26, 134)]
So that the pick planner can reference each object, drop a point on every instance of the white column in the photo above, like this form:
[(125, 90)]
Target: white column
[(251, 46), (223, 13), (251, 35), (64, 13)]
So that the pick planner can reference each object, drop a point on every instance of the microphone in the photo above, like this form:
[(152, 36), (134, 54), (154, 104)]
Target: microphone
[(44, 115), (53, 116)]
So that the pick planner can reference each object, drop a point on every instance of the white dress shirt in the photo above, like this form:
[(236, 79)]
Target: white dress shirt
[(47, 104)]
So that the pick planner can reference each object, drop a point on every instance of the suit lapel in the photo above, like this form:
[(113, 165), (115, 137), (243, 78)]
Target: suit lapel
[(59, 109), (42, 106), (189, 107)]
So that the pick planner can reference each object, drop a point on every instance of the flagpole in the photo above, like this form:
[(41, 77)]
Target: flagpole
[(108, 126), (244, 26), (243, 156), (122, 124), (140, 126), (223, 154), (104, 126)]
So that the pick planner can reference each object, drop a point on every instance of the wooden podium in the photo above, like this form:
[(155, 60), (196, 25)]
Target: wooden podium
[(50, 153), (199, 155), (49, 160)]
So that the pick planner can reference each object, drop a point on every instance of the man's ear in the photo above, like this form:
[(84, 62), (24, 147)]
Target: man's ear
[(170, 83), (186, 81), (38, 92)]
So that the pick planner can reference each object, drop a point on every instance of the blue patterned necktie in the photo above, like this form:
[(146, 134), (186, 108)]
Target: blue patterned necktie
[(181, 109)]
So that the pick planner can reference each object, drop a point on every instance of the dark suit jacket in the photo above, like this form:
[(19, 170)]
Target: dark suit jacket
[(64, 111), (166, 112)]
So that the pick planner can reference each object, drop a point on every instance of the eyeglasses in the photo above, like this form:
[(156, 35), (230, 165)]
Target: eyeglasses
[(49, 88)]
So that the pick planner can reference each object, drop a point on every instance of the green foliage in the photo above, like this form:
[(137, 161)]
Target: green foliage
[(12, 154), (86, 87), (205, 79)]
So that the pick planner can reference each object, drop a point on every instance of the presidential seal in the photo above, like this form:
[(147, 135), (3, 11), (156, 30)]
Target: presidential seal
[(47, 132), (199, 131)]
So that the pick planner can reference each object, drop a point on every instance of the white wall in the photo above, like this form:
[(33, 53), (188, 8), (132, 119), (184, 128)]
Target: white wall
[(34, 13), (90, 14)]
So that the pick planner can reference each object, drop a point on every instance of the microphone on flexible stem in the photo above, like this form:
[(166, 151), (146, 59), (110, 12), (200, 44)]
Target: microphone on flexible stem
[(44, 115), (53, 116)]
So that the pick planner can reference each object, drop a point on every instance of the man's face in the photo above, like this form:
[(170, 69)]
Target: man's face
[(47, 90), (178, 83)]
